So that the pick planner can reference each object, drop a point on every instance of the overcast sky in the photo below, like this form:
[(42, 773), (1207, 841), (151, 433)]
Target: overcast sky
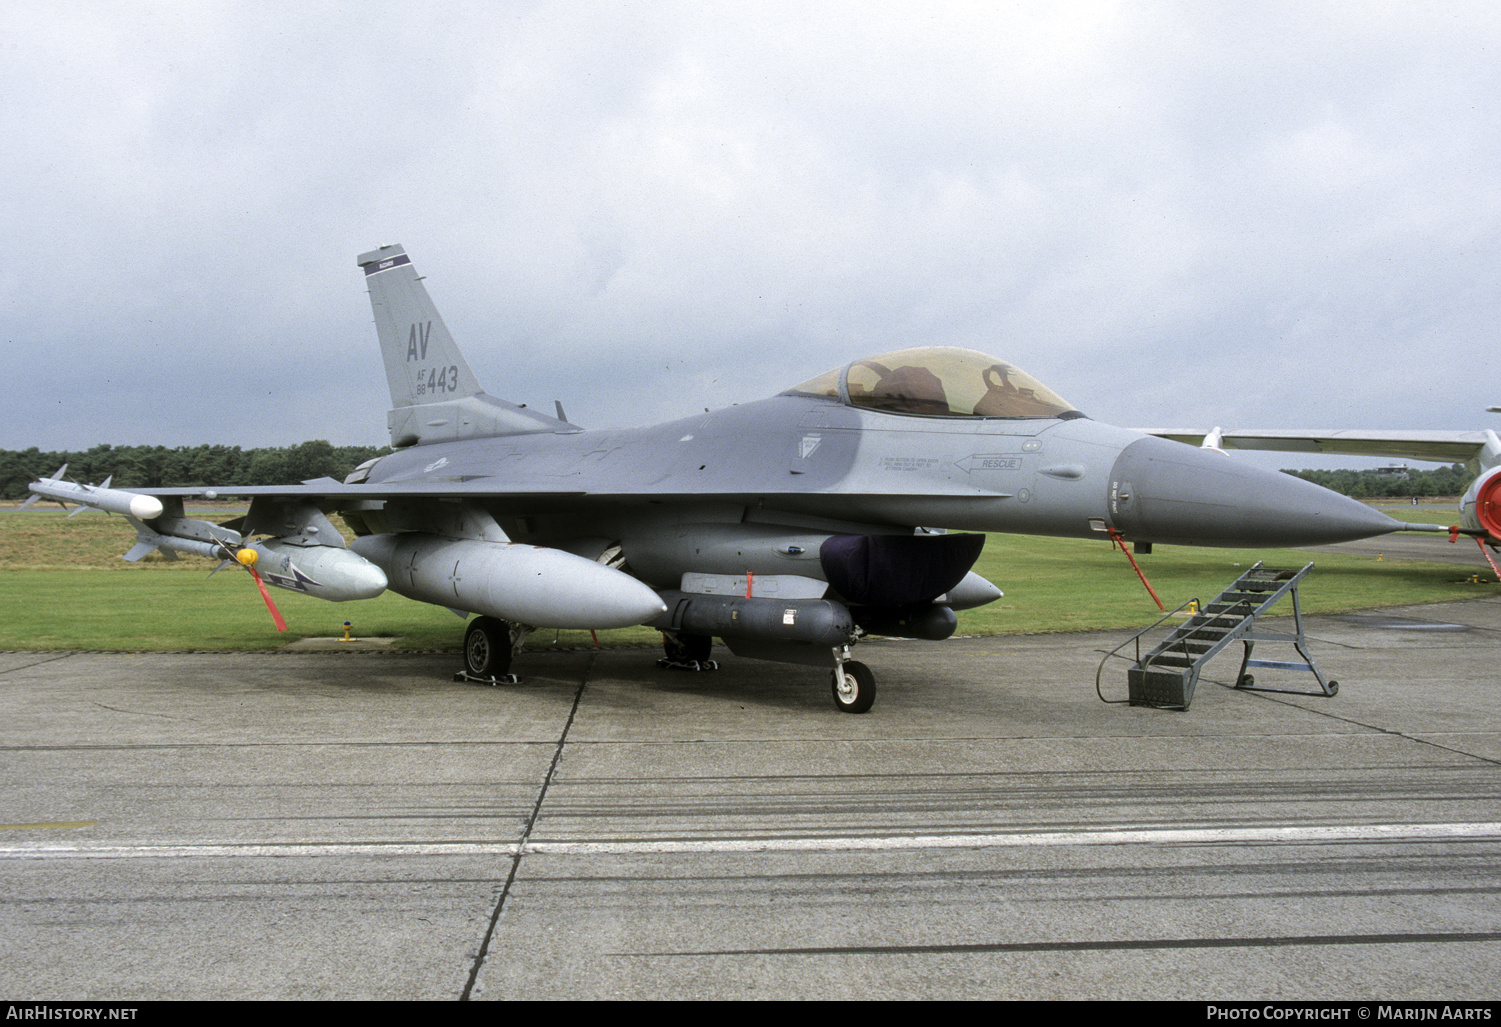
[(1175, 214)]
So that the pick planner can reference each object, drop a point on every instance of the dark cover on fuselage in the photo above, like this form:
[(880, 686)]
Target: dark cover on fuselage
[(897, 570)]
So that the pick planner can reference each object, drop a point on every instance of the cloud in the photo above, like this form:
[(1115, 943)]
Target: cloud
[(1171, 213)]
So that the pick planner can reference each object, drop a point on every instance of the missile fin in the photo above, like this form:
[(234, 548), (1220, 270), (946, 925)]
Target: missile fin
[(143, 549)]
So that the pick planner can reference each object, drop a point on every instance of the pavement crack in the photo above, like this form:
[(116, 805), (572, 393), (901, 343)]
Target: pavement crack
[(526, 834), (52, 658), (131, 713), (1377, 728)]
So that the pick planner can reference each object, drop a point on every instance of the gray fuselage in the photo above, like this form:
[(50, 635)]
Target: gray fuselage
[(766, 469)]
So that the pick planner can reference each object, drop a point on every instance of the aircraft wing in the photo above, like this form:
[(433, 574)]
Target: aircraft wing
[(1437, 446), (488, 487), (328, 488)]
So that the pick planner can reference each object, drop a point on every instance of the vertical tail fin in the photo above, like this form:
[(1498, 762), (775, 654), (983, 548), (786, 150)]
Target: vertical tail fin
[(435, 397)]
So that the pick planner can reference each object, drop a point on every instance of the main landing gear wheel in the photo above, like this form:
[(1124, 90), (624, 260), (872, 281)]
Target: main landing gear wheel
[(487, 648), (857, 689), (687, 652)]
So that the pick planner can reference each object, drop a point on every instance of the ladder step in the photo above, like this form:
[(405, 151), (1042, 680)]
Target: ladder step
[(1214, 622), (1279, 664)]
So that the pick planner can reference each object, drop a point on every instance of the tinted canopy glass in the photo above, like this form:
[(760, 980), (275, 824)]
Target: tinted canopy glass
[(939, 381)]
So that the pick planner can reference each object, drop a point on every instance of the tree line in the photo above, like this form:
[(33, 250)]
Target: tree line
[(228, 466), (1445, 481), (138, 467)]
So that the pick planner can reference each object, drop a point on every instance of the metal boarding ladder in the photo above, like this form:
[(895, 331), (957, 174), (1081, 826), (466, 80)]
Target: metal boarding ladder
[(1165, 677)]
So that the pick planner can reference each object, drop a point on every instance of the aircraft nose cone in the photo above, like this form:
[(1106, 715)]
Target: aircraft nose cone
[(1163, 491)]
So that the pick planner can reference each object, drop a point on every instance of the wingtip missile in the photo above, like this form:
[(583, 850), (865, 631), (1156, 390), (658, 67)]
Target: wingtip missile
[(100, 497)]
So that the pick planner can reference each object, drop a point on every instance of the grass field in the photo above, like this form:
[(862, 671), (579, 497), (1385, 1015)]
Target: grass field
[(64, 586)]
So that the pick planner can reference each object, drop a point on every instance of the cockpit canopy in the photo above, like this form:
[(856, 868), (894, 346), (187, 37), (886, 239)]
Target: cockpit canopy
[(938, 381)]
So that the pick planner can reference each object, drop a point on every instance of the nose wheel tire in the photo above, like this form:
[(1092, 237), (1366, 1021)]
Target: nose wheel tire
[(857, 691), (487, 648)]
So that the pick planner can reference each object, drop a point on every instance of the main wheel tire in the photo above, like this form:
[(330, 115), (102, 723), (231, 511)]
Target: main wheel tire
[(487, 647), (859, 691), (684, 648)]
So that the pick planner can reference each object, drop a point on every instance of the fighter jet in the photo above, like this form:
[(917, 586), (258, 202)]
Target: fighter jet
[(845, 506)]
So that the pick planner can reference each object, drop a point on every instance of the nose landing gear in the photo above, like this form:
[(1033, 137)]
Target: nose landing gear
[(854, 683)]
